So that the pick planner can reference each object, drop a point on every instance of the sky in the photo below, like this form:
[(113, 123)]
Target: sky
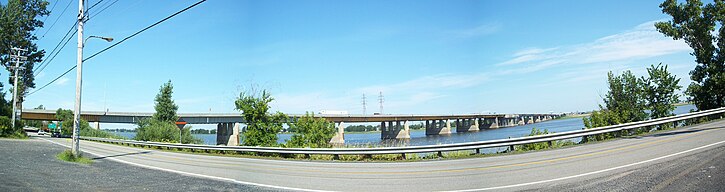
[(426, 57)]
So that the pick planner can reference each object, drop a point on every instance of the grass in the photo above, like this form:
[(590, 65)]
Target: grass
[(68, 156)]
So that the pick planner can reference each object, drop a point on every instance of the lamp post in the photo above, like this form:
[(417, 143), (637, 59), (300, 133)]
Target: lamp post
[(75, 149)]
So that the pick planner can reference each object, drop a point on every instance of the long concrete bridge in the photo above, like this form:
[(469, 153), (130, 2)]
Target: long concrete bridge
[(391, 126)]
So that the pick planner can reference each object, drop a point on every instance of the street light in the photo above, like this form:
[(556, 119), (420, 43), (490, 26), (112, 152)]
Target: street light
[(75, 149), (109, 39)]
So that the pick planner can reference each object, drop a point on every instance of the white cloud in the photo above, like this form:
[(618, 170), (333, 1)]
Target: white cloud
[(643, 41), (481, 30), (62, 81)]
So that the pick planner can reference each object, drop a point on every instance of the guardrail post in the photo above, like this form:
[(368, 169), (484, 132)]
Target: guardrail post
[(335, 157), (511, 148), (403, 156), (440, 154), (307, 156), (478, 151), (367, 156), (584, 138)]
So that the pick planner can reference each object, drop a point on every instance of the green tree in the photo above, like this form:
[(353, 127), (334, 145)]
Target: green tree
[(312, 132), (165, 106), (701, 27), (160, 127), (150, 129), (659, 91), (626, 97), (624, 102), (18, 20), (65, 116), (262, 126)]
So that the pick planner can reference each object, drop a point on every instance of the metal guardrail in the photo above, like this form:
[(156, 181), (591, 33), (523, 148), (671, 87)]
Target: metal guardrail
[(427, 148)]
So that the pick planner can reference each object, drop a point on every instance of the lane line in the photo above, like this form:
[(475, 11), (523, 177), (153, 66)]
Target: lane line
[(593, 172), (333, 172), (194, 174)]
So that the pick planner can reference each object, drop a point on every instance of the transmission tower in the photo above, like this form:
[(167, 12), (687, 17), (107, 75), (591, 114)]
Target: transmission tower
[(381, 100), (364, 103)]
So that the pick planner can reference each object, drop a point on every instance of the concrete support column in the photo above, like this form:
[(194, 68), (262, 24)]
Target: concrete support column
[(530, 120), (494, 125), (339, 138), (97, 125)]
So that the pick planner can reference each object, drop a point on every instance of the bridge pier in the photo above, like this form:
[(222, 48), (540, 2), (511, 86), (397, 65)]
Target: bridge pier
[(227, 134), (466, 125), (394, 131), (494, 125), (538, 119), (97, 125), (339, 138), (437, 127), (530, 120), (522, 121)]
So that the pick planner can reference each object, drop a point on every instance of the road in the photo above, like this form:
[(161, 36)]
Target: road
[(30, 165), (686, 159)]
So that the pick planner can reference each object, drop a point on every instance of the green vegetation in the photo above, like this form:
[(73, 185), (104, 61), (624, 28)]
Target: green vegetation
[(628, 98), (23, 15), (541, 145), (67, 155), (65, 116), (701, 26), (361, 128), (262, 126), (161, 127), (311, 132), (203, 131), (659, 91)]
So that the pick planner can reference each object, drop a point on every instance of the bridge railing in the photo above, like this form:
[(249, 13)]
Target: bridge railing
[(429, 148)]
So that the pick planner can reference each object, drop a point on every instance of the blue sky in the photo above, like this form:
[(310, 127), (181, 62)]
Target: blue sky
[(427, 57)]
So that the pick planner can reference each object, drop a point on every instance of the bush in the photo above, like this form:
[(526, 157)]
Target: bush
[(6, 130), (162, 131), (67, 155), (312, 132)]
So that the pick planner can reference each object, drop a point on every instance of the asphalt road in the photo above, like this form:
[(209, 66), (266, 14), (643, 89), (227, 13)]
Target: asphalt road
[(30, 165), (686, 159)]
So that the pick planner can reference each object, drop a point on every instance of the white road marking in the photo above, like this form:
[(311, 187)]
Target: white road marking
[(479, 189), (594, 172), (193, 174)]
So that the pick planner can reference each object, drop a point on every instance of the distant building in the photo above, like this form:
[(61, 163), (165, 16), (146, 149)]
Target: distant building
[(330, 112)]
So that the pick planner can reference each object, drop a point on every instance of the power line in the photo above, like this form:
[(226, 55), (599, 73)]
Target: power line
[(46, 18), (46, 61), (99, 12), (144, 29), (56, 20), (119, 42), (56, 54)]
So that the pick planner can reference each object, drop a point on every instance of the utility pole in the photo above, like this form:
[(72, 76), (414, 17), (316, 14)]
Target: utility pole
[(17, 57), (381, 99), (364, 102), (79, 74)]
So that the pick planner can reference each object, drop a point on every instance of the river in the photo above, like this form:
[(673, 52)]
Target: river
[(418, 136)]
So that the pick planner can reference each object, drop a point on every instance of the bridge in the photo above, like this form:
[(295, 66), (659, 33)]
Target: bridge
[(391, 126)]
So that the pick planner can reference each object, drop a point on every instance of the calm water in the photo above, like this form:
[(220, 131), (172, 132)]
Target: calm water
[(418, 136)]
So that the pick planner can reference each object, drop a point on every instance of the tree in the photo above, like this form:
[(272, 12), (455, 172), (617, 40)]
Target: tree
[(624, 102), (18, 20), (701, 27), (626, 97), (659, 91), (160, 127), (165, 107), (65, 116), (262, 126), (312, 132)]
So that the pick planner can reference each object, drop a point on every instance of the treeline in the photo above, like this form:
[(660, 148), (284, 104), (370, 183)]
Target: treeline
[(203, 131)]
